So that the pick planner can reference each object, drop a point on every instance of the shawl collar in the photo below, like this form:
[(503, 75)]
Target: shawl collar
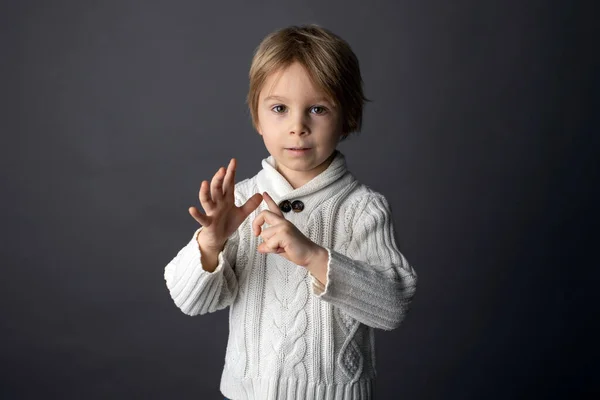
[(271, 181)]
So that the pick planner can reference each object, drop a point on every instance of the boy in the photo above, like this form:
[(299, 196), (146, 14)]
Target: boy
[(306, 291)]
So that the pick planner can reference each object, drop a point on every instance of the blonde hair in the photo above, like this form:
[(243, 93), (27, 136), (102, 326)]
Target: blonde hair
[(329, 61)]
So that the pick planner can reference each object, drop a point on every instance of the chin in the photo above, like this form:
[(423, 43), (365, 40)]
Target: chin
[(301, 165)]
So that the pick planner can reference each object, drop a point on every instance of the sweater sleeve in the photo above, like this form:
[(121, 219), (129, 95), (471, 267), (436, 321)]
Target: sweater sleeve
[(373, 283), (197, 291)]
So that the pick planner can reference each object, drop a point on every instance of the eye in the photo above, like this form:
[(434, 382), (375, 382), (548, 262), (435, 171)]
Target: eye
[(278, 108), (318, 110)]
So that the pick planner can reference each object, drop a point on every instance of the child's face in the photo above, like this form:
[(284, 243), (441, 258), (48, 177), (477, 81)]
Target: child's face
[(295, 114)]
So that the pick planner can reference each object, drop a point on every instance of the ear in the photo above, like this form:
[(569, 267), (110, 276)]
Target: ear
[(258, 129)]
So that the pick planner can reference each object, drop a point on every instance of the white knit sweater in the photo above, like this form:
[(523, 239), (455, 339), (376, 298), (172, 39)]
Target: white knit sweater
[(289, 336)]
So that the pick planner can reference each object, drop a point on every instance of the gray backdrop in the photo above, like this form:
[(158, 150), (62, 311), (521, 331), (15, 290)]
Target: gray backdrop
[(479, 134)]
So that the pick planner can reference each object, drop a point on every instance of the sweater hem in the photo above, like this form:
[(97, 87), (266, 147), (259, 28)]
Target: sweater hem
[(279, 388)]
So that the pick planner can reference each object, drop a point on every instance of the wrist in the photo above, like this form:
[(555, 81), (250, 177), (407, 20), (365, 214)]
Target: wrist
[(206, 246), (317, 264), (209, 255)]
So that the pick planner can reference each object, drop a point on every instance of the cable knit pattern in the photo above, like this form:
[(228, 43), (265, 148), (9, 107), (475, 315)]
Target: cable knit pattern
[(350, 359), (236, 348), (286, 315), (291, 336)]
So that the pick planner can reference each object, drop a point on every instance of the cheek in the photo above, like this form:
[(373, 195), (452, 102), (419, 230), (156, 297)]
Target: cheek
[(269, 122), (263, 117), (326, 124)]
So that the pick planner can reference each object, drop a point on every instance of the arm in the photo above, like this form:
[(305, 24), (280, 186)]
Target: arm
[(196, 290), (373, 283), (202, 281), (201, 278)]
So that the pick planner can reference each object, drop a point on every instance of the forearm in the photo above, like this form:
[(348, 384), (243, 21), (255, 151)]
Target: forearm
[(196, 290), (370, 279), (368, 294)]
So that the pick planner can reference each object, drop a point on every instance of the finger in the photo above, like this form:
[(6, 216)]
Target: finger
[(263, 249), (268, 233), (271, 204), (216, 185), (198, 216), (229, 181), (263, 217), (251, 204), (270, 246), (204, 196), (258, 223)]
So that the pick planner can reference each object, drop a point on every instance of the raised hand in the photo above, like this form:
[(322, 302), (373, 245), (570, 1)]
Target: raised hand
[(222, 217), (283, 238)]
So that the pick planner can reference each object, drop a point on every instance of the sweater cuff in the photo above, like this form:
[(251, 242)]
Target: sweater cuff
[(193, 289), (370, 294), (319, 288), (343, 278)]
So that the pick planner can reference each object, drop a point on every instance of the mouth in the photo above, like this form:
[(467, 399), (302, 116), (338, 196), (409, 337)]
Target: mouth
[(297, 151)]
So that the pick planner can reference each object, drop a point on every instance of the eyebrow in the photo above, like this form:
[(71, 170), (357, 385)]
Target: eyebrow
[(281, 98)]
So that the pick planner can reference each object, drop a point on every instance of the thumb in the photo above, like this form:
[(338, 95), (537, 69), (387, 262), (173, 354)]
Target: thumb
[(251, 204)]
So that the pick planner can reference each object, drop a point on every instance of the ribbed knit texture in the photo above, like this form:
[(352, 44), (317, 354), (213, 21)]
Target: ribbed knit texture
[(290, 336)]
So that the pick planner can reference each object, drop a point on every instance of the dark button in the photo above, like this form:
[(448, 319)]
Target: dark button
[(297, 206), (285, 206)]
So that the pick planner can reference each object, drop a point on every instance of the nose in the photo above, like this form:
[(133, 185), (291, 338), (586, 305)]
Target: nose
[(299, 125)]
